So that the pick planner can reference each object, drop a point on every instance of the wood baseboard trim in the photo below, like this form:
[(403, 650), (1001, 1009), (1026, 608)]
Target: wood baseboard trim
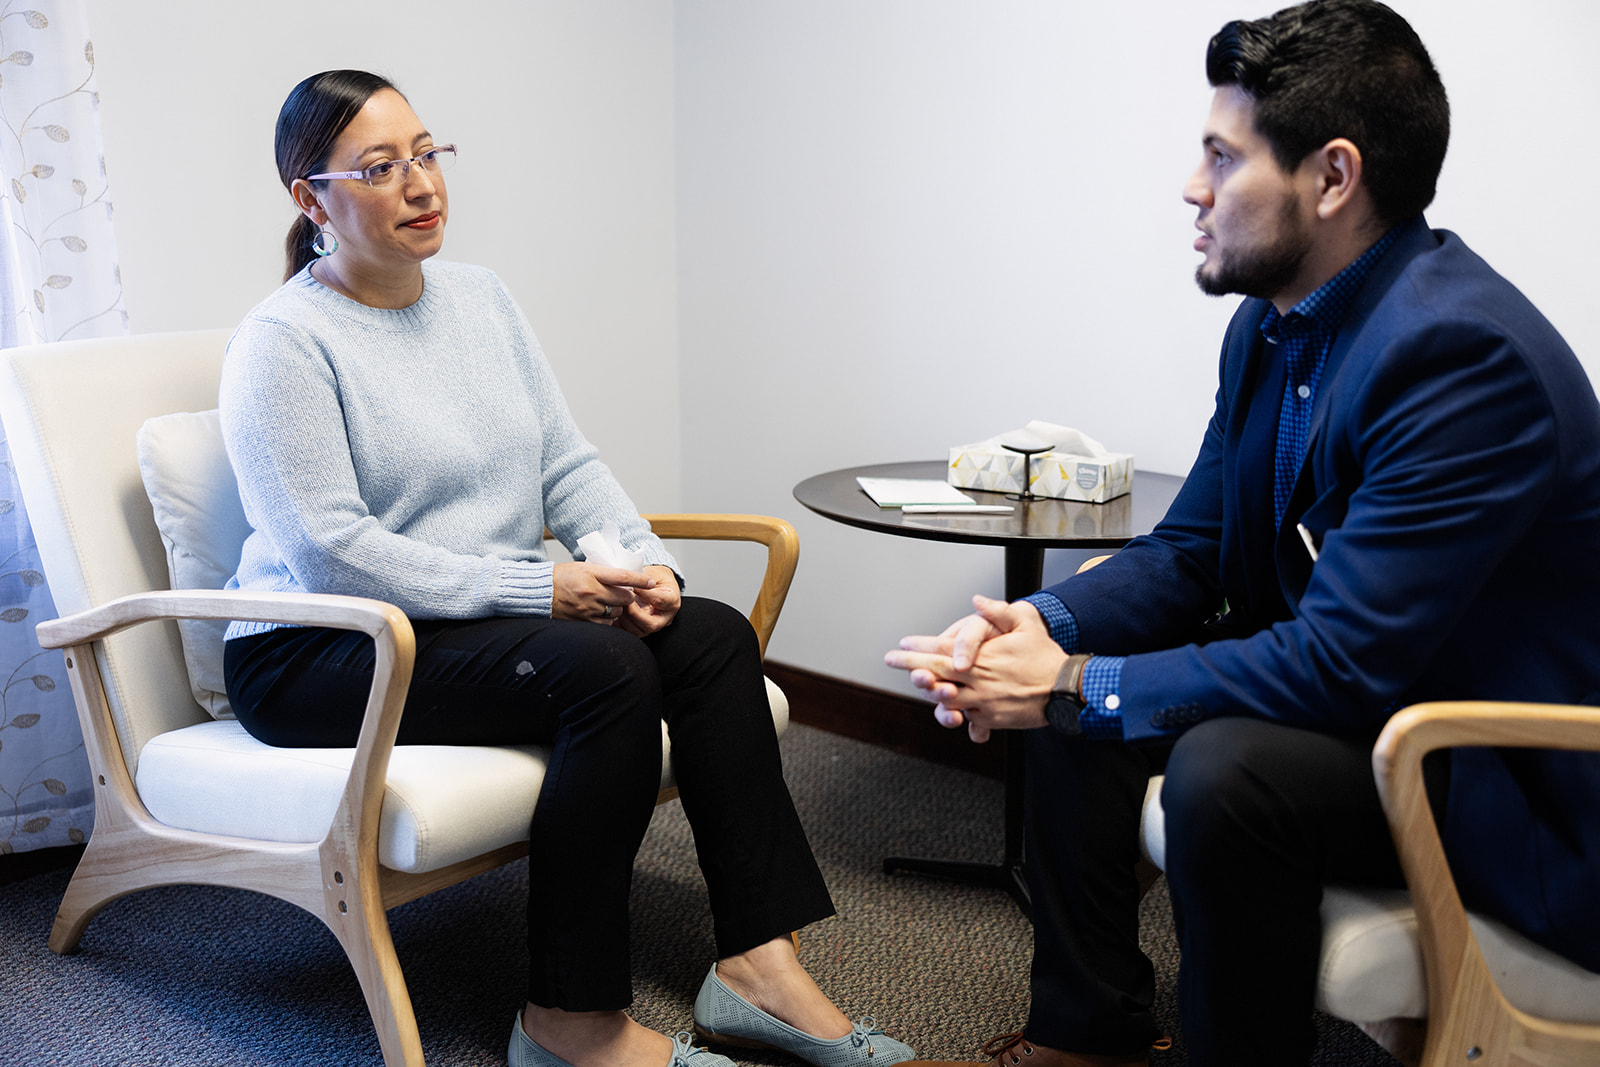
[(15, 866), (890, 720)]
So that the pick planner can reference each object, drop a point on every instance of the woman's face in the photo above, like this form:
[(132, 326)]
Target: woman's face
[(384, 232)]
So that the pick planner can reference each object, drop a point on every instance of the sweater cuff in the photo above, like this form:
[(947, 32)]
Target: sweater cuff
[(527, 588)]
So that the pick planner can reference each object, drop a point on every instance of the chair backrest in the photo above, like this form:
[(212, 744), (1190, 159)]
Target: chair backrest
[(72, 411)]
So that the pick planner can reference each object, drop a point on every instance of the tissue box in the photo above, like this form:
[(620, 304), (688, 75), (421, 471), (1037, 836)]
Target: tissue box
[(1060, 475)]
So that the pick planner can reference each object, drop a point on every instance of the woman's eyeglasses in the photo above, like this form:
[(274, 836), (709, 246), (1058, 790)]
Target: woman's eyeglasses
[(435, 160)]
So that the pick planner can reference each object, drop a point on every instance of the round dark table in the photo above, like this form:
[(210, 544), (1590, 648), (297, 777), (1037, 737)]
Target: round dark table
[(1031, 527)]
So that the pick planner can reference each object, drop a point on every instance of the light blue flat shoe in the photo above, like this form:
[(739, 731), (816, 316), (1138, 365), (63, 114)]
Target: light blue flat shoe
[(526, 1052), (723, 1016)]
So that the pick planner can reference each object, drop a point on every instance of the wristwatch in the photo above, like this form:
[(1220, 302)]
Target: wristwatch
[(1066, 697)]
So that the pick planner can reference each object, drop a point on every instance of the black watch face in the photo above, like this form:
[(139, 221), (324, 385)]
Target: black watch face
[(1062, 711), (1062, 698)]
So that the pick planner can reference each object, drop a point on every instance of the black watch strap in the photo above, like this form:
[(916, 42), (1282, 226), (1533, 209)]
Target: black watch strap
[(1066, 698)]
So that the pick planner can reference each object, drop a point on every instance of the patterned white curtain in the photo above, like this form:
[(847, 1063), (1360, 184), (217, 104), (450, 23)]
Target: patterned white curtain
[(58, 281)]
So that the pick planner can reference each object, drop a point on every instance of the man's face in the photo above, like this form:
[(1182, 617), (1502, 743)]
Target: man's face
[(1254, 219)]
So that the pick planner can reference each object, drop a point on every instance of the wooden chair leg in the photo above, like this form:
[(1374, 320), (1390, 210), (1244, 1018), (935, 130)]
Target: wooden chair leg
[(86, 894), (362, 928), (116, 862)]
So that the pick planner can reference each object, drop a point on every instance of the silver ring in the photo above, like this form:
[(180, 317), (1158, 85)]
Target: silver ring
[(606, 614)]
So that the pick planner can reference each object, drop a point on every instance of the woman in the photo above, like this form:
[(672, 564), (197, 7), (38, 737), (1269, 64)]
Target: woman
[(397, 433)]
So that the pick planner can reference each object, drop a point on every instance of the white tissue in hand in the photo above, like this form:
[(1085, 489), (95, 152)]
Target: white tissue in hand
[(604, 549)]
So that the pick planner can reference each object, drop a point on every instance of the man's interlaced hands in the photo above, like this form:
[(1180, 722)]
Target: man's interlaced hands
[(639, 602), (992, 670)]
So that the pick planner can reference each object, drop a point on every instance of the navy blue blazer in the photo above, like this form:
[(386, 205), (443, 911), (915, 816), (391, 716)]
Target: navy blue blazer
[(1452, 486)]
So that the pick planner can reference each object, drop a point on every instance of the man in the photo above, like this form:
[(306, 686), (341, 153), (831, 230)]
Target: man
[(1397, 499)]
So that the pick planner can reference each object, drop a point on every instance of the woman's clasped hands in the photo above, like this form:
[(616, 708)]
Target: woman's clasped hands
[(992, 670), (639, 602)]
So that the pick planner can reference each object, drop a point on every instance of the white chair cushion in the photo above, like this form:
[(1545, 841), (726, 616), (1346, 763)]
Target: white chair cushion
[(1371, 966), (1372, 963), (195, 499), (443, 804), (1153, 825)]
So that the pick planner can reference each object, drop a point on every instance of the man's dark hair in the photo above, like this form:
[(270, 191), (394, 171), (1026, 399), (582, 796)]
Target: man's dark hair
[(1343, 68)]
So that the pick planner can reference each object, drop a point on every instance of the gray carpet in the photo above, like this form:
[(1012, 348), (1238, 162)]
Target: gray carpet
[(197, 975)]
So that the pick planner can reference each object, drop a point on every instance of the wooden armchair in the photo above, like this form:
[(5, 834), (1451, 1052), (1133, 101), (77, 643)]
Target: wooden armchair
[(181, 797), (1493, 998), (1431, 982)]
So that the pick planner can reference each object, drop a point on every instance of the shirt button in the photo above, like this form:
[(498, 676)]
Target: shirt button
[(1304, 392), (1113, 702)]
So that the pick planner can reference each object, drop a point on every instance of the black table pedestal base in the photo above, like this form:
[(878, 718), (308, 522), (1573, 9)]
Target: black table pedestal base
[(1007, 875), (1031, 527)]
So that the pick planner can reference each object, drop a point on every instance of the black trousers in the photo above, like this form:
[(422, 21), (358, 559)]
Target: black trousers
[(1259, 816), (598, 696)]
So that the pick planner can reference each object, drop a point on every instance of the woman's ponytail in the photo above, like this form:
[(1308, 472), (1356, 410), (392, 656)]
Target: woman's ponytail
[(310, 121), (297, 246)]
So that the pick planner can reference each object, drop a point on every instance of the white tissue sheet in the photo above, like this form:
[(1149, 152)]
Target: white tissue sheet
[(1066, 439), (604, 549)]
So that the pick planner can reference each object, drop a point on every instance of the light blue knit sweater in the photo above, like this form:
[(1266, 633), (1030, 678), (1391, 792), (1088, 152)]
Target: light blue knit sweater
[(415, 456)]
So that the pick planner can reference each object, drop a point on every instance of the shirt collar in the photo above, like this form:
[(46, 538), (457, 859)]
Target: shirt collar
[(1327, 305)]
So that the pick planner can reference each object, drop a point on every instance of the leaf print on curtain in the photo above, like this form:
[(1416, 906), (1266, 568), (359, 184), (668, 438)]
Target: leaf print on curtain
[(58, 282)]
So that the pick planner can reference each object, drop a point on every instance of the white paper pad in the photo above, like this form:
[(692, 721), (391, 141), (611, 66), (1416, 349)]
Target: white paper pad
[(897, 492)]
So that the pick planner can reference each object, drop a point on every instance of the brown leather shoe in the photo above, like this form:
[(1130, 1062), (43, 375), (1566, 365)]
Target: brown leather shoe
[(1014, 1050)]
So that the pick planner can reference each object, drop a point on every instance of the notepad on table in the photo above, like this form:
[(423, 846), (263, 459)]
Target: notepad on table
[(898, 492)]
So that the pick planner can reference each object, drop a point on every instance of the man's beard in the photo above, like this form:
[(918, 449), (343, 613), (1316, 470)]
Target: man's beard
[(1261, 272)]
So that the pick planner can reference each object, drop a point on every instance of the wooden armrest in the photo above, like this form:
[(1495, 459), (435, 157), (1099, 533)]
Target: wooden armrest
[(783, 554), (303, 609), (1449, 724), (1422, 728), (1458, 978), (394, 647)]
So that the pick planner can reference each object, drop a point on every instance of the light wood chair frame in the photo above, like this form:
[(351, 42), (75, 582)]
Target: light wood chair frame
[(339, 878), (1469, 1019)]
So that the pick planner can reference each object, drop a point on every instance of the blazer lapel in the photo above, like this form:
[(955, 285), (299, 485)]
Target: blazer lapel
[(1249, 573), (1347, 362)]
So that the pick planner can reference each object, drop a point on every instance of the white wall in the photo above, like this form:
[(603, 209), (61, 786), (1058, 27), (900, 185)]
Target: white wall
[(906, 224), (816, 233), (563, 112)]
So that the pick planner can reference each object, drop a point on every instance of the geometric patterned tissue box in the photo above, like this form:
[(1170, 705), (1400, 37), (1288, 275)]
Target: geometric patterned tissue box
[(1059, 475)]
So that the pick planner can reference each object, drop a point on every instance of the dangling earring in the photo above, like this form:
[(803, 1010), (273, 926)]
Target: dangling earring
[(320, 248)]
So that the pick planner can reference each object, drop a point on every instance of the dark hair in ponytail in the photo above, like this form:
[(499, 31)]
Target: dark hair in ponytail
[(311, 120)]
